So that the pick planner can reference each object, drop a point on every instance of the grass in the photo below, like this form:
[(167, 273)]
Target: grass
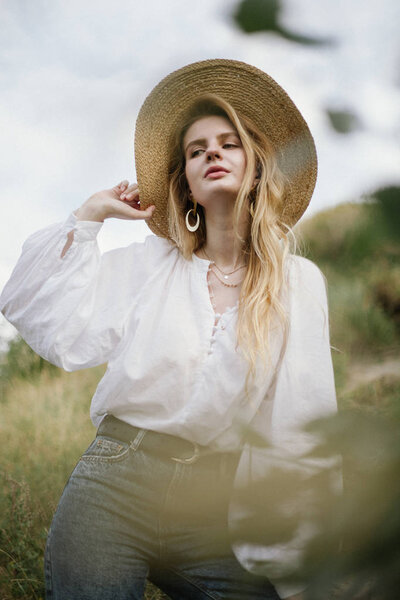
[(45, 428)]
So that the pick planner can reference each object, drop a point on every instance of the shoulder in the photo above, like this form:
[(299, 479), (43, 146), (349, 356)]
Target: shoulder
[(158, 250), (136, 263), (302, 271), (306, 284), (152, 250), (159, 244)]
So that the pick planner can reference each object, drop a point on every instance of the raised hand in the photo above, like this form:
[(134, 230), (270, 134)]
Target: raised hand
[(121, 202)]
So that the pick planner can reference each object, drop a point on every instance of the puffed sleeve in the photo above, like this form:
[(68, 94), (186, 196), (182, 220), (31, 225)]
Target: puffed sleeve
[(71, 310), (304, 390)]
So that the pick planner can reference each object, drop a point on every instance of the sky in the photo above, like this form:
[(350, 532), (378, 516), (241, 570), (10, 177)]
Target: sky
[(73, 75)]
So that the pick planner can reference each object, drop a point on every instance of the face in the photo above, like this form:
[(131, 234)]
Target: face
[(212, 142)]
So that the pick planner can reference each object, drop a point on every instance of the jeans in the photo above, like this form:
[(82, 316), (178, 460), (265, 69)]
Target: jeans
[(126, 515)]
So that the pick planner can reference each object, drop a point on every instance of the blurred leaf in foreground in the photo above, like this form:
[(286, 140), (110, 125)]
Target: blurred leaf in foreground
[(263, 15), (343, 121), (350, 539), (388, 199)]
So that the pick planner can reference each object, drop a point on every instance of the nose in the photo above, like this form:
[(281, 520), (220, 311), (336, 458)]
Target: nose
[(212, 154)]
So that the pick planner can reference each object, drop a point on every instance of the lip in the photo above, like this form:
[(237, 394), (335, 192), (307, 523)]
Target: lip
[(215, 170)]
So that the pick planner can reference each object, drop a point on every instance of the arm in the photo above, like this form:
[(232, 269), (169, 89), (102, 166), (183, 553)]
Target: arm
[(67, 301)]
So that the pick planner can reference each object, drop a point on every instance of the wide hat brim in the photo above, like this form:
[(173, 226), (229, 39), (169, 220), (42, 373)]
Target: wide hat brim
[(251, 92)]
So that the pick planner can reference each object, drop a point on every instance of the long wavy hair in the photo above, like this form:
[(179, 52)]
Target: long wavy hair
[(269, 239)]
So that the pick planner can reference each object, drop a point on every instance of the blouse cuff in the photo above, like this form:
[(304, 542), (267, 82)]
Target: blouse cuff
[(84, 231)]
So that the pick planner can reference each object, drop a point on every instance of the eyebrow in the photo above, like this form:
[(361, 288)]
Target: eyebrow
[(221, 136)]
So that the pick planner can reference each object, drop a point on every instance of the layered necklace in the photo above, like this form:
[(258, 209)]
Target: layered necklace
[(223, 273)]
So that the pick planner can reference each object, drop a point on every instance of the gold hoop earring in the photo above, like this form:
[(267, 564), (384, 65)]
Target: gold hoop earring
[(194, 227)]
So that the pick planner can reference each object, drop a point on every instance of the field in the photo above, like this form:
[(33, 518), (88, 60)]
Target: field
[(45, 422)]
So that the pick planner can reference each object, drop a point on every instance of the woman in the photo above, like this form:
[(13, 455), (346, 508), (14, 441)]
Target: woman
[(208, 328)]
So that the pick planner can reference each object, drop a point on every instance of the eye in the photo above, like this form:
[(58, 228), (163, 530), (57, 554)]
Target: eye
[(230, 145), (194, 153)]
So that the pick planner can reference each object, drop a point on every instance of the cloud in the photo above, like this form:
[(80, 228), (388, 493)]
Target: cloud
[(74, 76)]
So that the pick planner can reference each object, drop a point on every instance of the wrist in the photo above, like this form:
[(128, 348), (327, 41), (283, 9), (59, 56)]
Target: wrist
[(89, 213)]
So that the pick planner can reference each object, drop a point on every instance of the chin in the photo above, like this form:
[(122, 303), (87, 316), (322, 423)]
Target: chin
[(224, 188)]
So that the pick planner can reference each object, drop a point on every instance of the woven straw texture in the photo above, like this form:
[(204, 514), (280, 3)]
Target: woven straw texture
[(251, 92)]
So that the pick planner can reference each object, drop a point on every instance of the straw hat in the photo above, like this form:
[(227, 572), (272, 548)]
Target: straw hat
[(252, 93)]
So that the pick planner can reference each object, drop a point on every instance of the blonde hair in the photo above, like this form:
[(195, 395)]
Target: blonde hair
[(268, 242)]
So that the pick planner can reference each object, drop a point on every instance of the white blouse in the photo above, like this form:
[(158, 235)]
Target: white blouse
[(146, 311)]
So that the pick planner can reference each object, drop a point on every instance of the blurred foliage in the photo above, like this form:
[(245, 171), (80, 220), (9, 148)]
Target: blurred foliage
[(353, 552), (357, 247), (343, 121), (378, 397), (253, 16), (264, 15), (388, 199), (355, 536), (21, 362), (350, 235)]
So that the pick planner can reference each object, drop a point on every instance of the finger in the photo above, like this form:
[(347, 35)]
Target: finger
[(131, 201), (123, 185), (132, 204), (147, 213), (130, 192), (128, 212)]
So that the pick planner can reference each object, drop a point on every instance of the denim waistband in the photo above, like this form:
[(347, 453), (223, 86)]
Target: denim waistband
[(159, 443)]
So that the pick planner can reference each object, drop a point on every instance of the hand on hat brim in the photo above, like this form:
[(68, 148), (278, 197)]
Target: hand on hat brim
[(120, 202), (130, 196)]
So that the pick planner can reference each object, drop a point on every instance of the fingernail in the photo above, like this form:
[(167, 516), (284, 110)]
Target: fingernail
[(123, 196)]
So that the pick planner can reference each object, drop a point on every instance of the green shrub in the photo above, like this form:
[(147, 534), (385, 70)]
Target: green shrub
[(21, 362), (349, 235), (388, 199), (355, 247)]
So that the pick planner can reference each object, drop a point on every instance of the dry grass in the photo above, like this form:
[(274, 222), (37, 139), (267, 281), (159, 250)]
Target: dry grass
[(46, 422), (45, 427)]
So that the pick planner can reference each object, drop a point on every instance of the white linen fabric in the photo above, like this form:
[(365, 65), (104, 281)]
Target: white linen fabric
[(146, 311)]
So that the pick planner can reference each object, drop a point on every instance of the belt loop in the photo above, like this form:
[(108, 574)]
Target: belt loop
[(137, 440)]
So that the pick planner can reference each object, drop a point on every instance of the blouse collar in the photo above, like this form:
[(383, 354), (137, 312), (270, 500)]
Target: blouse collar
[(201, 264)]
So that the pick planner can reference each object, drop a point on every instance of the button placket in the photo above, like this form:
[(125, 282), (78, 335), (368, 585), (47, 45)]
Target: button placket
[(219, 323)]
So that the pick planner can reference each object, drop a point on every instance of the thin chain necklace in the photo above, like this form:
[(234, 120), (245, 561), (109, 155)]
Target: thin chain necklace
[(225, 275), (231, 285)]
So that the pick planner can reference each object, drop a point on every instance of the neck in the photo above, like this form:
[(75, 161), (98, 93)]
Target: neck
[(221, 244)]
